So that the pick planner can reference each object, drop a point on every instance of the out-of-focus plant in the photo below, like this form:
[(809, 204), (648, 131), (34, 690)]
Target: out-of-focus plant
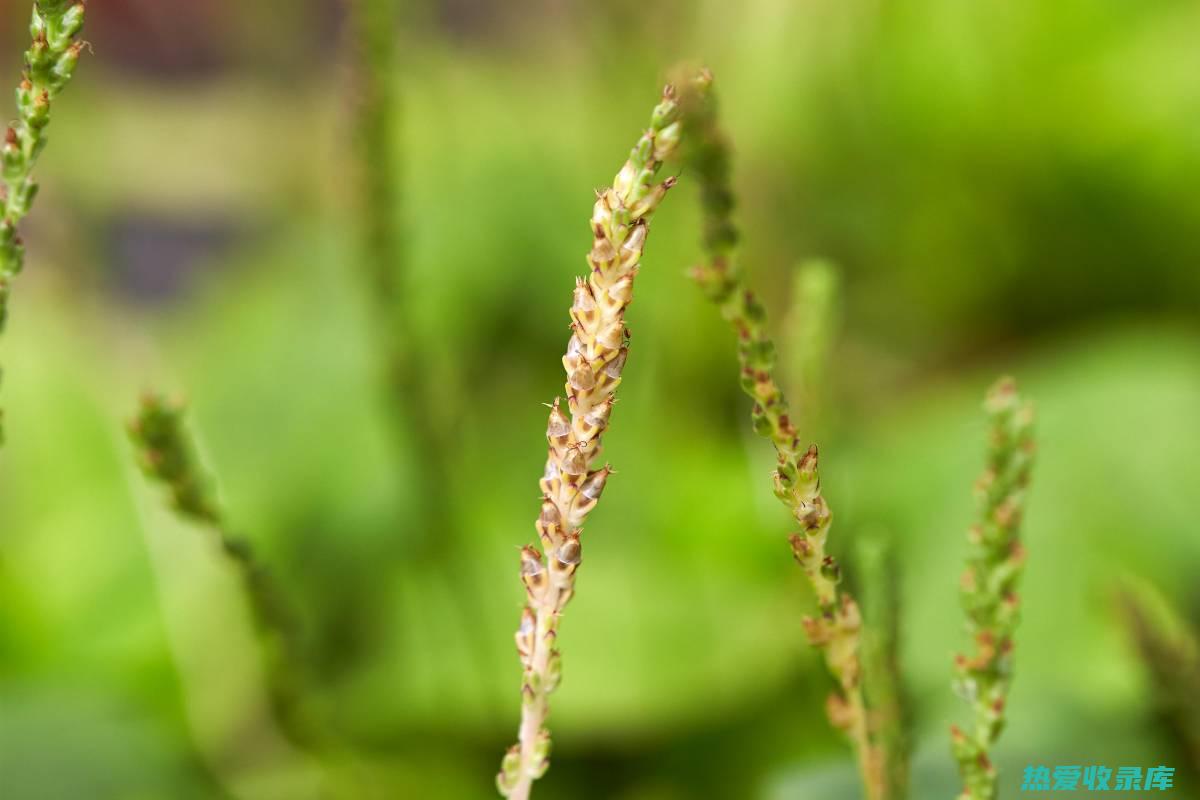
[(888, 719), (413, 402), (836, 630), (377, 118), (572, 483), (377, 212), (994, 565), (49, 64), (1170, 652), (167, 454), (810, 326)]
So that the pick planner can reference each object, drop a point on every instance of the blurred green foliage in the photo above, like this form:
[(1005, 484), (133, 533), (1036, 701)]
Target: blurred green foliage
[(1005, 188)]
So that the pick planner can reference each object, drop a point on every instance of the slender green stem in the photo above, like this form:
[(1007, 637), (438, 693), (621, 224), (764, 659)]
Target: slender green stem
[(49, 64), (887, 702), (375, 25), (994, 564), (438, 534), (167, 455), (836, 630)]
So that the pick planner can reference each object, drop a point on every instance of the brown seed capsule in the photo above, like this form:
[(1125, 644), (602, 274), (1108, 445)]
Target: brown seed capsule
[(550, 514), (533, 574), (570, 551), (584, 302), (531, 561), (636, 239), (593, 485), (801, 549), (612, 335), (549, 523), (559, 427), (807, 465), (583, 309), (613, 368), (574, 462), (813, 515), (582, 379), (597, 418), (602, 253)]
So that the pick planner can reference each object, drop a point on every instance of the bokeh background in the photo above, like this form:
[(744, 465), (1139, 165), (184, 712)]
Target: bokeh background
[(1003, 187)]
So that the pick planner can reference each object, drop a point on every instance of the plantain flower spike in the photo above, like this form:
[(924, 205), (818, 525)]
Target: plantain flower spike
[(836, 629), (995, 561), (574, 478), (49, 64)]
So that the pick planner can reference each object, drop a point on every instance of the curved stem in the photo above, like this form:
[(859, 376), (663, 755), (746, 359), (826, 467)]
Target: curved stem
[(836, 629)]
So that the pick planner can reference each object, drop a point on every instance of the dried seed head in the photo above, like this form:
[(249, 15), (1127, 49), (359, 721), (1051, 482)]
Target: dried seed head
[(636, 239), (558, 428), (801, 549), (533, 573), (807, 466), (550, 514), (602, 212), (593, 485), (612, 335), (570, 551), (583, 307), (603, 252), (593, 362), (583, 301), (531, 562), (614, 367), (597, 417), (582, 378), (574, 462), (621, 292), (813, 515), (549, 523)]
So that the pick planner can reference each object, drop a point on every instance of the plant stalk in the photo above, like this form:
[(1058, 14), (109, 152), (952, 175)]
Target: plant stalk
[(573, 481), (836, 629), (49, 64)]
